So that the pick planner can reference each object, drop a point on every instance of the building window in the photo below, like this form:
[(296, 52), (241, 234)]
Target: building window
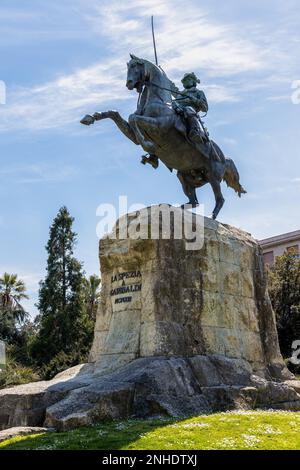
[(269, 257)]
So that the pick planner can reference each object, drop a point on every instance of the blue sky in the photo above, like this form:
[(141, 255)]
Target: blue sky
[(63, 59)]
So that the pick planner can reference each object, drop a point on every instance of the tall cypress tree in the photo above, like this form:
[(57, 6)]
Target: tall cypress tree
[(64, 329)]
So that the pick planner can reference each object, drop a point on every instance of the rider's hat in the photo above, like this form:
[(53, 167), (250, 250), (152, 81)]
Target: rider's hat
[(190, 75)]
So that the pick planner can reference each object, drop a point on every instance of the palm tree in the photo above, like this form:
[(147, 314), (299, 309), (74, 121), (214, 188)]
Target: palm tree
[(12, 292), (92, 295)]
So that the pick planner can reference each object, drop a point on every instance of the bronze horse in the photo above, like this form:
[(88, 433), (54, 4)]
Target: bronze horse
[(161, 132)]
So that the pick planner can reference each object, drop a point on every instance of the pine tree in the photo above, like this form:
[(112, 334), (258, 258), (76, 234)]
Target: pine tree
[(64, 329), (284, 289)]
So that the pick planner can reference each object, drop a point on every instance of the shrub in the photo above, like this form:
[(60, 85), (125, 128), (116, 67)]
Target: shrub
[(61, 362), (16, 374)]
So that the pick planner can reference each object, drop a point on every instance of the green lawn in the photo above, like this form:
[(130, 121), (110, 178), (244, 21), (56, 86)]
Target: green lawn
[(234, 430)]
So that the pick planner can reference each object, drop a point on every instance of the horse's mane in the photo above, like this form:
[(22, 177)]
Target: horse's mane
[(146, 62), (161, 76), (150, 65)]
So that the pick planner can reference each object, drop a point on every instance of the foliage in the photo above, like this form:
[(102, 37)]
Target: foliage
[(62, 361), (16, 374), (62, 333), (250, 430), (20, 349), (92, 295), (63, 323), (15, 330), (12, 291), (12, 313), (8, 328), (284, 289)]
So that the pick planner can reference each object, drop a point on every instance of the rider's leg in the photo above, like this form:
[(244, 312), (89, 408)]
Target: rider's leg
[(195, 133)]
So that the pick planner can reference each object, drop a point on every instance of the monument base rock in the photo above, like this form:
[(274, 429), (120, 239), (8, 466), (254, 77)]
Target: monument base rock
[(179, 332)]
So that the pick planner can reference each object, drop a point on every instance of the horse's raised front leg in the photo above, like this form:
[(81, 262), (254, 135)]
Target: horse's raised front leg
[(123, 125)]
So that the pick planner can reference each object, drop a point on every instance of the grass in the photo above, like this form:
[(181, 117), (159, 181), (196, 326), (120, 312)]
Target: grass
[(255, 430)]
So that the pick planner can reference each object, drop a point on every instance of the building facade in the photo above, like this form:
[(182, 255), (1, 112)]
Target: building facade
[(278, 245)]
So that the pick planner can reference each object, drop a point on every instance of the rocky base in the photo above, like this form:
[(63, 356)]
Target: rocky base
[(20, 431), (179, 332), (147, 387)]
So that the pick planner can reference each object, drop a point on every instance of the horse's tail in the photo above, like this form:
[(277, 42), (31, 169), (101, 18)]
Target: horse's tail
[(232, 177)]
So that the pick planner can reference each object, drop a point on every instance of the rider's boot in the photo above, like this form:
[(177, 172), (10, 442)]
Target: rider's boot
[(152, 160)]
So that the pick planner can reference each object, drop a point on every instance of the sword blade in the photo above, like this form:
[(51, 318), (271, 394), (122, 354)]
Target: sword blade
[(153, 37)]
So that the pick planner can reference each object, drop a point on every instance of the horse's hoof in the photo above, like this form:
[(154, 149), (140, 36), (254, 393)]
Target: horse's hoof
[(87, 120), (190, 205)]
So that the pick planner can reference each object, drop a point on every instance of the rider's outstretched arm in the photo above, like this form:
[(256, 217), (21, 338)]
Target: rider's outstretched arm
[(202, 101)]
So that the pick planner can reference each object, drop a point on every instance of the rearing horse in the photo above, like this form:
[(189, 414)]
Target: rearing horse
[(160, 131)]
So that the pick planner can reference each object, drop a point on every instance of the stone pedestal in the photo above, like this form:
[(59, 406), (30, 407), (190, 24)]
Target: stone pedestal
[(179, 332), (160, 299)]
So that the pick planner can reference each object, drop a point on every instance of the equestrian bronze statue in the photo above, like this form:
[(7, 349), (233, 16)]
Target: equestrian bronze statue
[(168, 127)]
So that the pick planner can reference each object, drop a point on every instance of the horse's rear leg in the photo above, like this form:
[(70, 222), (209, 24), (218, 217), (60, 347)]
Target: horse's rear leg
[(188, 189), (216, 186)]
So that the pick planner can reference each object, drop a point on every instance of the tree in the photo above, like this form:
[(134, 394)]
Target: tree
[(12, 292), (12, 313), (63, 324), (284, 289), (92, 295)]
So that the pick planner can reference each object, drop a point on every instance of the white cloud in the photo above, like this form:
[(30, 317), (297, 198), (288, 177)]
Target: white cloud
[(37, 173), (279, 98), (221, 94), (188, 38), (230, 141), (14, 15), (32, 284), (262, 224), (62, 101)]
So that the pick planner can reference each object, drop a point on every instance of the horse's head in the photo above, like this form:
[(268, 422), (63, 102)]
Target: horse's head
[(137, 73)]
